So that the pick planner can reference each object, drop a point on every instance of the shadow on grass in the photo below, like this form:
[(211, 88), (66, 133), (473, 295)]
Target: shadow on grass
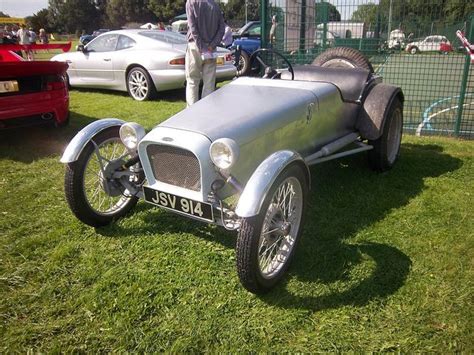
[(346, 198), (169, 95), (28, 144)]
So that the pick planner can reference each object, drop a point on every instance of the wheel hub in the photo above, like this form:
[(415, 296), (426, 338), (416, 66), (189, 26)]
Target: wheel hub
[(109, 185)]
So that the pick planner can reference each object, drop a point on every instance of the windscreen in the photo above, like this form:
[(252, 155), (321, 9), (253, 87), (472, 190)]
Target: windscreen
[(165, 36)]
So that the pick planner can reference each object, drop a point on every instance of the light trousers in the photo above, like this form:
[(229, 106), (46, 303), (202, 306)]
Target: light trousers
[(197, 70)]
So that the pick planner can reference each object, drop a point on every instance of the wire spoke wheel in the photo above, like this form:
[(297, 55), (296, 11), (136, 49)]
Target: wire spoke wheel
[(103, 195), (267, 241), (280, 225), (94, 192)]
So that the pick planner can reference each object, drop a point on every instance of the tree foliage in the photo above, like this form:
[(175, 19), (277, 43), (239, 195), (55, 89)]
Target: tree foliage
[(119, 12), (327, 12), (40, 20), (73, 15), (165, 10), (234, 10), (366, 13)]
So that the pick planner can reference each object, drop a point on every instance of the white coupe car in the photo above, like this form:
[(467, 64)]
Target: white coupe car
[(141, 62)]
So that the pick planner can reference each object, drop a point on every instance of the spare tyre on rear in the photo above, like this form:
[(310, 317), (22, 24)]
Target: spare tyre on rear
[(343, 57)]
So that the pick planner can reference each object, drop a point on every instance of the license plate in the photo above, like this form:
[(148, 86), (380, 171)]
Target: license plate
[(182, 205), (9, 86), (220, 61)]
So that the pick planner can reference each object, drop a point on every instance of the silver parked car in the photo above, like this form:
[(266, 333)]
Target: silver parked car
[(141, 62), (259, 152)]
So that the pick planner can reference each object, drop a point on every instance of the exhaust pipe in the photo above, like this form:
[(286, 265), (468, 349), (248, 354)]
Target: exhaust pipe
[(47, 116)]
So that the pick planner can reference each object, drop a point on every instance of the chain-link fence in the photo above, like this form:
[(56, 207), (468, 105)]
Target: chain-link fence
[(411, 43)]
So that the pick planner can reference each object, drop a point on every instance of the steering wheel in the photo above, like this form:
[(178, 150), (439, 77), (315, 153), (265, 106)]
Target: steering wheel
[(270, 72)]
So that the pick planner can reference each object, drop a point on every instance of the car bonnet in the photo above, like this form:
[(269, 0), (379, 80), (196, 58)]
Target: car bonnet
[(249, 107)]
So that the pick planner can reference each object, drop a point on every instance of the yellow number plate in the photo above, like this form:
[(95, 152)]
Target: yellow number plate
[(220, 60), (9, 86)]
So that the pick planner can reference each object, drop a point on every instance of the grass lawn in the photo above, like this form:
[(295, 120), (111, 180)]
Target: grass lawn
[(385, 262)]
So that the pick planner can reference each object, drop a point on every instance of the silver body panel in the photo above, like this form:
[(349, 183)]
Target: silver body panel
[(80, 140), (261, 181), (107, 70), (272, 115)]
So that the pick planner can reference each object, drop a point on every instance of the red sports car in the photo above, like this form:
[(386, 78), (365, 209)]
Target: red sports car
[(33, 92)]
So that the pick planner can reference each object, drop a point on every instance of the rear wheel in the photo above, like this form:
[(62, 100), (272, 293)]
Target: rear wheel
[(266, 242), (140, 85), (387, 148), (343, 57), (94, 196)]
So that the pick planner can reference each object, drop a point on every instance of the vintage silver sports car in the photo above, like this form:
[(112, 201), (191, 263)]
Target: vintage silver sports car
[(246, 169), (141, 62)]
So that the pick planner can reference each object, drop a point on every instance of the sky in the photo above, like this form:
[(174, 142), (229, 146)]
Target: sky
[(22, 8)]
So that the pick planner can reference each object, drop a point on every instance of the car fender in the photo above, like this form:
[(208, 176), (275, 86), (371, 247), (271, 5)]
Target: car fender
[(80, 140), (257, 187), (374, 110)]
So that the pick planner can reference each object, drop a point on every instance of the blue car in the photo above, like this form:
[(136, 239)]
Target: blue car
[(84, 39), (248, 38)]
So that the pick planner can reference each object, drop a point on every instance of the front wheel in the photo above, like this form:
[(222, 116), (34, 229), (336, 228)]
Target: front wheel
[(266, 242), (94, 195)]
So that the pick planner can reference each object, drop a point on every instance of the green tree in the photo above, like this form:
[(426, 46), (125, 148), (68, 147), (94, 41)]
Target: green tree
[(323, 8), (2, 14), (165, 10), (234, 10), (39, 20), (119, 12), (366, 13), (73, 15)]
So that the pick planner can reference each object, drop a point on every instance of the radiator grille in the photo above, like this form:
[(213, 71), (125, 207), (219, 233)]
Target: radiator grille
[(175, 166)]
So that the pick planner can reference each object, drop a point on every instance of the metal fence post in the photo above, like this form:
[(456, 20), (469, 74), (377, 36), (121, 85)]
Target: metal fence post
[(465, 76), (325, 16), (264, 19)]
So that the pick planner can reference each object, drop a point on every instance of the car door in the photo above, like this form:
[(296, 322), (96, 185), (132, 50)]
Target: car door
[(95, 66), (427, 44), (436, 43)]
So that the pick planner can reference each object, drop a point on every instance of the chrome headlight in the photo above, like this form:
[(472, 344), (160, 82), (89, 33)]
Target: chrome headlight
[(224, 153), (131, 134)]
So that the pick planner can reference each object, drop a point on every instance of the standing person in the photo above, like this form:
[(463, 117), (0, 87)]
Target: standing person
[(227, 39), (43, 36), (273, 30), (24, 38), (32, 35), (205, 31)]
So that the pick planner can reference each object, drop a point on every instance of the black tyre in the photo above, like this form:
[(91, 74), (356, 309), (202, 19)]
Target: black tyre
[(243, 65), (414, 50), (140, 86), (387, 148), (343, 57), (93, 196), (266, 242)]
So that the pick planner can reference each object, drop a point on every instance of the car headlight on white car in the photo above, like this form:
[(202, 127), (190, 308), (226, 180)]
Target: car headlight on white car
[(224, 153), (131, 134)]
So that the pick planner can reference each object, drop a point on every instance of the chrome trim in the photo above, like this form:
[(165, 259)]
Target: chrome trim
[(256, 189), (77, 144)]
